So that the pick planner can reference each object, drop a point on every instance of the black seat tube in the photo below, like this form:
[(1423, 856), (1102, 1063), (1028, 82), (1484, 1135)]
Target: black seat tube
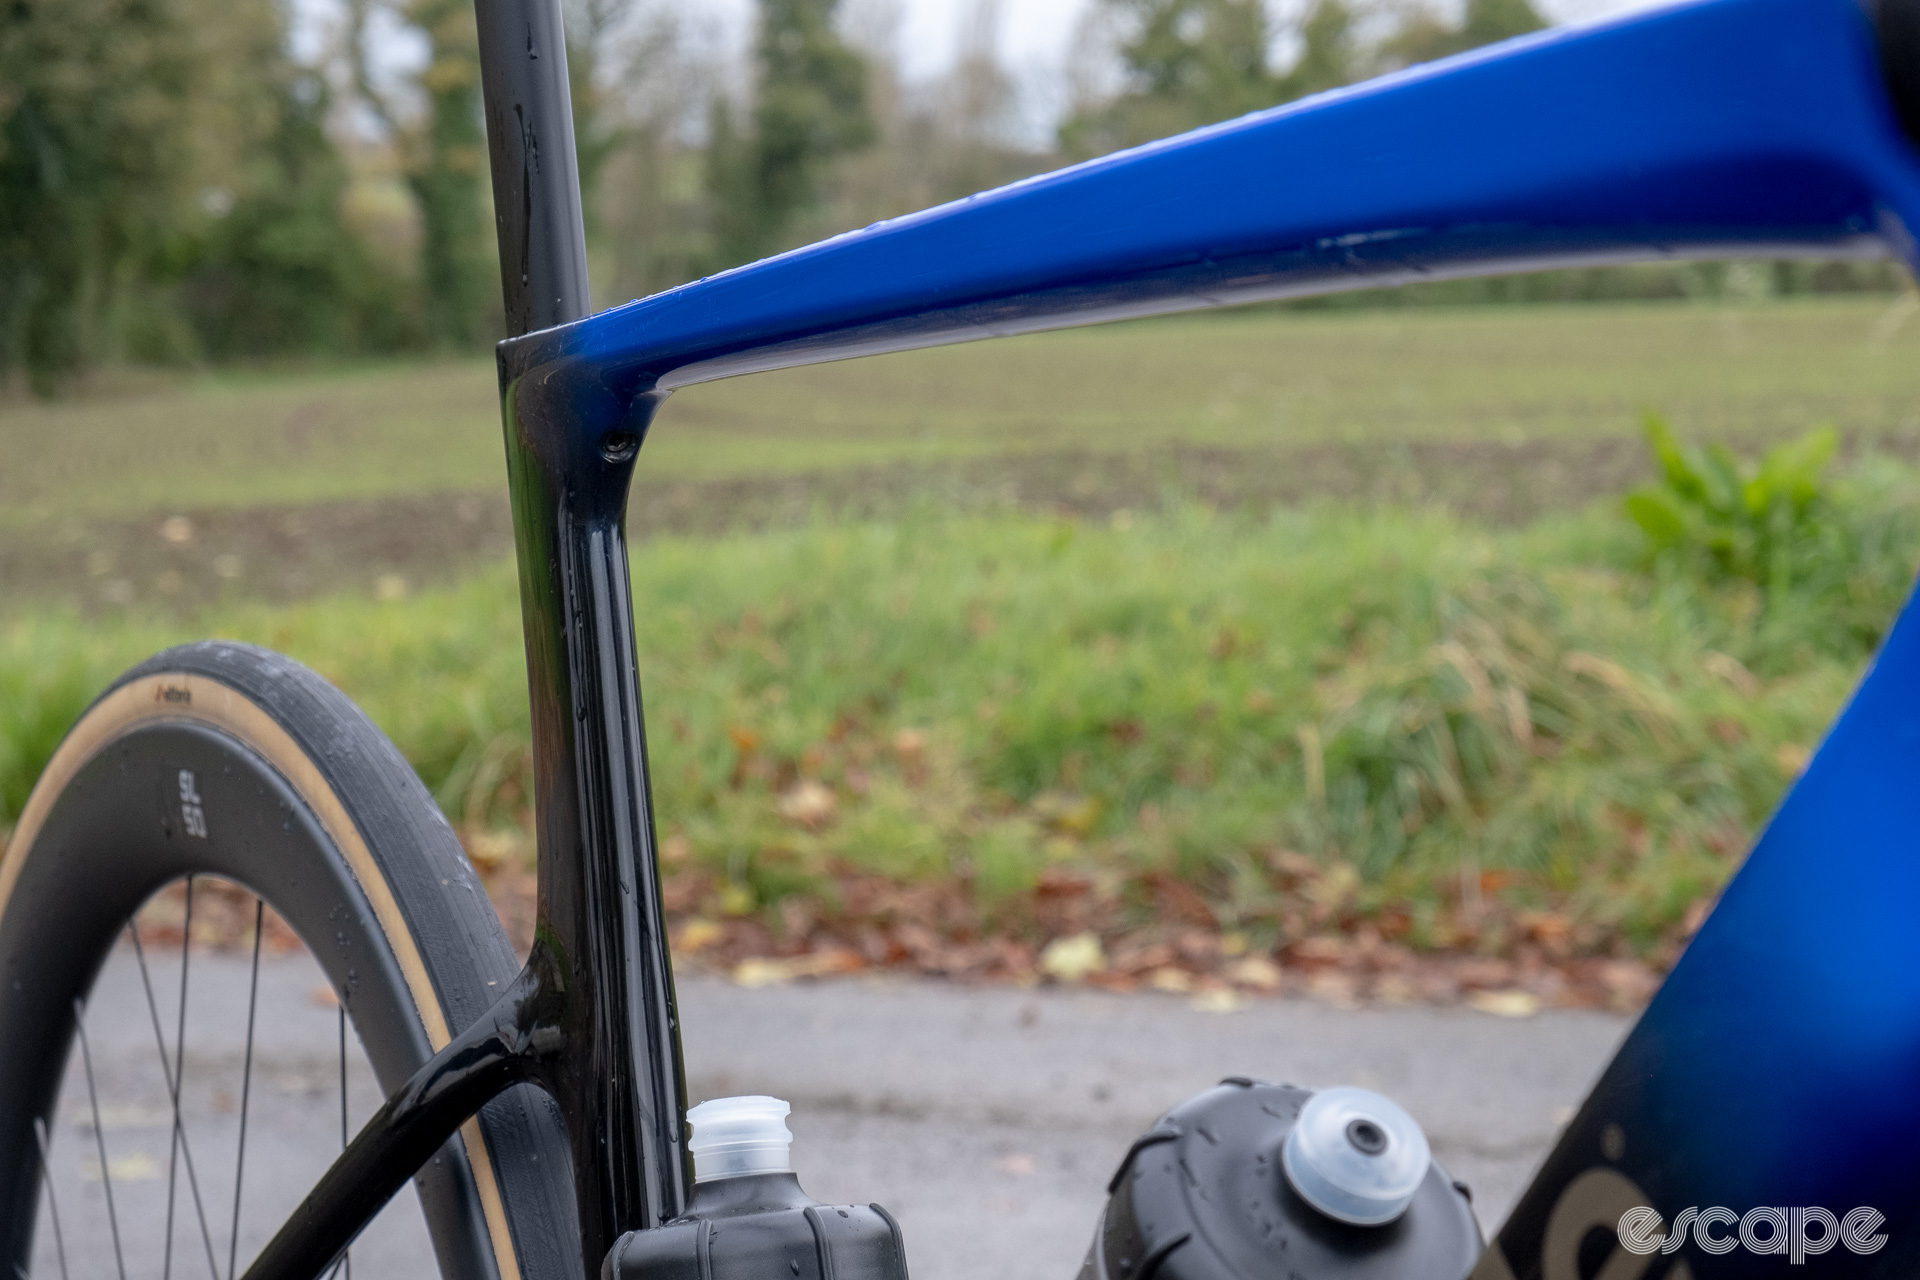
[(620, 1081)]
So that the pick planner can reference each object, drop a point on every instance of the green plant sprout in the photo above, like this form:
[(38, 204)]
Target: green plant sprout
[(1735, 521)]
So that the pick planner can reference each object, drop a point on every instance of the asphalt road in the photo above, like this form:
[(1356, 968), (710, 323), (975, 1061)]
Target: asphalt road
[(987, 1120)]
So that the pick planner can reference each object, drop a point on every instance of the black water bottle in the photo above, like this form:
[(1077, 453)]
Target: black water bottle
[(1252, 1181), (749, 1219)]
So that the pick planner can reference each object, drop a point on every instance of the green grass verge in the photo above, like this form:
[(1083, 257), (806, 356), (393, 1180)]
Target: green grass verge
[(1464, 730)]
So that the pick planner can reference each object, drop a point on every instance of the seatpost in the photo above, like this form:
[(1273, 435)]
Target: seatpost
[(600, 946), (536, 173)]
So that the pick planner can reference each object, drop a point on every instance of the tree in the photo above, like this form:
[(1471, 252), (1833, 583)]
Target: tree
[(974, 116), (95, 152), (599, 131), (279, 269), (443, 151), (1490, 21), (641, 86), (1424, 37), (1196, 62), (1330, 55), (1188, 63), (168, 190), (810, 106)]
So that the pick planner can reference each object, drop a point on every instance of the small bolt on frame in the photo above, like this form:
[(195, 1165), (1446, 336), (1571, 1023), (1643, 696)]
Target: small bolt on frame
[(1719, 128)]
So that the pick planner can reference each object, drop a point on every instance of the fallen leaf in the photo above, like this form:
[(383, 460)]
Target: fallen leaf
[(762, 973), (824, 963), (491, 850), (1628, 982), (1319, 951), (1107, 980), (1066, 812), (808, 803), (1392, 988), (698, 934), (1223, 1000), (1791, 759), (1505, 1004), (1141, 959), (177, 530), (1485, 973), (1170, 979), (1336, 988), (138, 1167), (1073, 958), (1257, 972), (1549, 928)]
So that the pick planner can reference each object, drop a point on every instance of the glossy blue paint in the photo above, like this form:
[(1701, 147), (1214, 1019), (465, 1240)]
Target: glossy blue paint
[(1781, 1062), (1720, 128)]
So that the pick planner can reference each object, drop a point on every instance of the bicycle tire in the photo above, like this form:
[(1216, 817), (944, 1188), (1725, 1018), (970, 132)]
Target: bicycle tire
[(307, 804)]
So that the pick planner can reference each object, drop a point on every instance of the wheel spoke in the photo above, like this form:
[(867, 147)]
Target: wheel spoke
[(53, 1205), (346, 1259), (179, 1088), (173, 1094), (99, 1135), (246, 1086), (176, 1079)]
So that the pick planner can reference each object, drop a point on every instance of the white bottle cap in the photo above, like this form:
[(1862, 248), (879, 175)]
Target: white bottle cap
[(737, 1136), (1356, 1156)]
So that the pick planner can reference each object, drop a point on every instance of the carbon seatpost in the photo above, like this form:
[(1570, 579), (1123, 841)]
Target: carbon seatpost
[(536, 174)]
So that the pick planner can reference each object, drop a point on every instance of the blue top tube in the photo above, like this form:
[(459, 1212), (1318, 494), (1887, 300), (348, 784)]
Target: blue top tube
[(1722, 128)]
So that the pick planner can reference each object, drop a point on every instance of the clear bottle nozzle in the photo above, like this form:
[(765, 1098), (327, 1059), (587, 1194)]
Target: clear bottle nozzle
[(1356, 1156), (733, 1137)]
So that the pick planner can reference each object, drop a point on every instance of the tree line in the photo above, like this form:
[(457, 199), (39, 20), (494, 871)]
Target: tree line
[(177, 185)]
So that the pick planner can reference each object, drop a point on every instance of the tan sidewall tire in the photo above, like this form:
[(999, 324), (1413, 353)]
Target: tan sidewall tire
[(434, 954)]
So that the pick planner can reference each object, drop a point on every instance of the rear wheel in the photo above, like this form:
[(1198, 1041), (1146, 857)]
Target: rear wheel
[(232, 777)]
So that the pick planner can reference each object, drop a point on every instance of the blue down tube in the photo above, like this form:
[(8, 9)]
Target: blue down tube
[(1780, 1065)]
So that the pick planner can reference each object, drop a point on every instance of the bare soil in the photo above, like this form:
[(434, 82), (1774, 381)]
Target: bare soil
[(181, 561)]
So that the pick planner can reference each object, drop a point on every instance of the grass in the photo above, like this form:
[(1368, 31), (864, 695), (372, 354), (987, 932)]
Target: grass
[(1305, 720), (1255, 380), (1281, 717)]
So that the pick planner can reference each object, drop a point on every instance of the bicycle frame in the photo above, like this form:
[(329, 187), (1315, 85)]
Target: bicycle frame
[(1721, 128)]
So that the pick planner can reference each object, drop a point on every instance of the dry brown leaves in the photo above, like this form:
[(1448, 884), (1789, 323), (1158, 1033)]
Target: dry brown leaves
[(1075, 935)]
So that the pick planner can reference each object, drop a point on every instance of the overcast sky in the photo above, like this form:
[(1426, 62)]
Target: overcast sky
[(1038, 31), (1035, 36)]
